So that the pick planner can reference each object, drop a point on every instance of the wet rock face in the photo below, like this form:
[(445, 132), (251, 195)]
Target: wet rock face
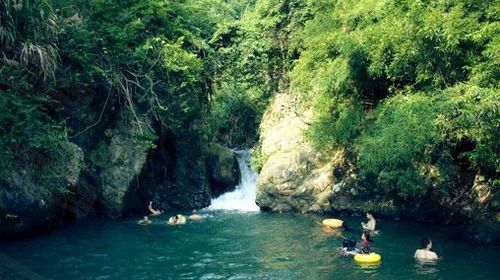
[(111, 172), (222, 168), (124, 162), (173, 177), (485, 231), (28, 208), (23, 210)]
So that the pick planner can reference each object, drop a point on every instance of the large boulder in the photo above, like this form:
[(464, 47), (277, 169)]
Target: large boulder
[(293, 176), (222, 168), (124, 158)]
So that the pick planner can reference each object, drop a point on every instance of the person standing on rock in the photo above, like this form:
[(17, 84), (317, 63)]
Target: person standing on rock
[(371, 223)]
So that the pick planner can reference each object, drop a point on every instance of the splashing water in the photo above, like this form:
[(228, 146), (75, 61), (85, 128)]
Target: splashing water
[(243, 197)]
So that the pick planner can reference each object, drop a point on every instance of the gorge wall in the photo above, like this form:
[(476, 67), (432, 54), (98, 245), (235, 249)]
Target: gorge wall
[(111, 173)]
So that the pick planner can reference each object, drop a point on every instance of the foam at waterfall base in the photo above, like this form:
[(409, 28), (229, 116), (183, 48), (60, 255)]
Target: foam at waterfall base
[(243, 197)]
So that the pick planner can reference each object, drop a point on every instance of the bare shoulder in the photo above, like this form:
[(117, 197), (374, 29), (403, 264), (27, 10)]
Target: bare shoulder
[(433, 255), (418, 254)]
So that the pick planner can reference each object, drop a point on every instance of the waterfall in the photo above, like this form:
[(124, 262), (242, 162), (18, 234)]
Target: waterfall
[(243, 197)]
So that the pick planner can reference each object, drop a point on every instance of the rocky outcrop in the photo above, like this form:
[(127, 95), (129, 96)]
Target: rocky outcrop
[(294, 177), (222, 169), (112, 170), (174, 177), (123, 162), (28, 207), (483, 210)]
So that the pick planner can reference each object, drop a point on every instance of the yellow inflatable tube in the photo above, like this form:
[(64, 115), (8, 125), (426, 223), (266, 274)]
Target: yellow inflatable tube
[(367, 258), (333, 223)]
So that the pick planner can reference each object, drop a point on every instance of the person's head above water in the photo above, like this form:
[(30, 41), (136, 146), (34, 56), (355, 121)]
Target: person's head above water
[(425, 253), (352, 242), (369, 215), (365, 250), (346, 243), (145, 220), (426, 243), (349, 244)]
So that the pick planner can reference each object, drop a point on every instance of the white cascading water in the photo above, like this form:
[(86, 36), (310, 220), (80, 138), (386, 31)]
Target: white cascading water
[(243, 197)]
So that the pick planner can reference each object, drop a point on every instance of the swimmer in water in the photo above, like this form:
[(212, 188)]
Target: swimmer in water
[(195, 216), (348, 247), (144, 221), (153, 211), (425, 253), (371, 223), (177, 220)]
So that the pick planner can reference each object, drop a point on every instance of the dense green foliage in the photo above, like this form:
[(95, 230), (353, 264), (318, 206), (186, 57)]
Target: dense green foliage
[(148, 63), (254, 59), (409, 88), (147, 53), (426, 74), (28, 59)]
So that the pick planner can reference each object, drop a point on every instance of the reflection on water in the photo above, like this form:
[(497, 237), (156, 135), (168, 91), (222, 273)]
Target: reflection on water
[(369, 267), (426, 267)]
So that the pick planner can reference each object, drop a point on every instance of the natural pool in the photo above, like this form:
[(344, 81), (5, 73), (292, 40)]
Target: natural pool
[(235, 245)]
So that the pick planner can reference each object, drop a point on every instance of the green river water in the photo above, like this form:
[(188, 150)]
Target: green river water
[(235, 245)]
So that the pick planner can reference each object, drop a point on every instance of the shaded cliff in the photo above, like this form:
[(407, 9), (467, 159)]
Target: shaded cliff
[(111, 170), (103, 108)]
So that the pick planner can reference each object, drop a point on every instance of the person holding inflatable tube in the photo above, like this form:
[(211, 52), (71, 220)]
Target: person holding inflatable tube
[(371, 223), (366, 255), (177, 220)]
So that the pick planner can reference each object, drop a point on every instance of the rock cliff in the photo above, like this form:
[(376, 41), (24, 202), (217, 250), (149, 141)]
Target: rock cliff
[(111, 169), (295, 177)]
